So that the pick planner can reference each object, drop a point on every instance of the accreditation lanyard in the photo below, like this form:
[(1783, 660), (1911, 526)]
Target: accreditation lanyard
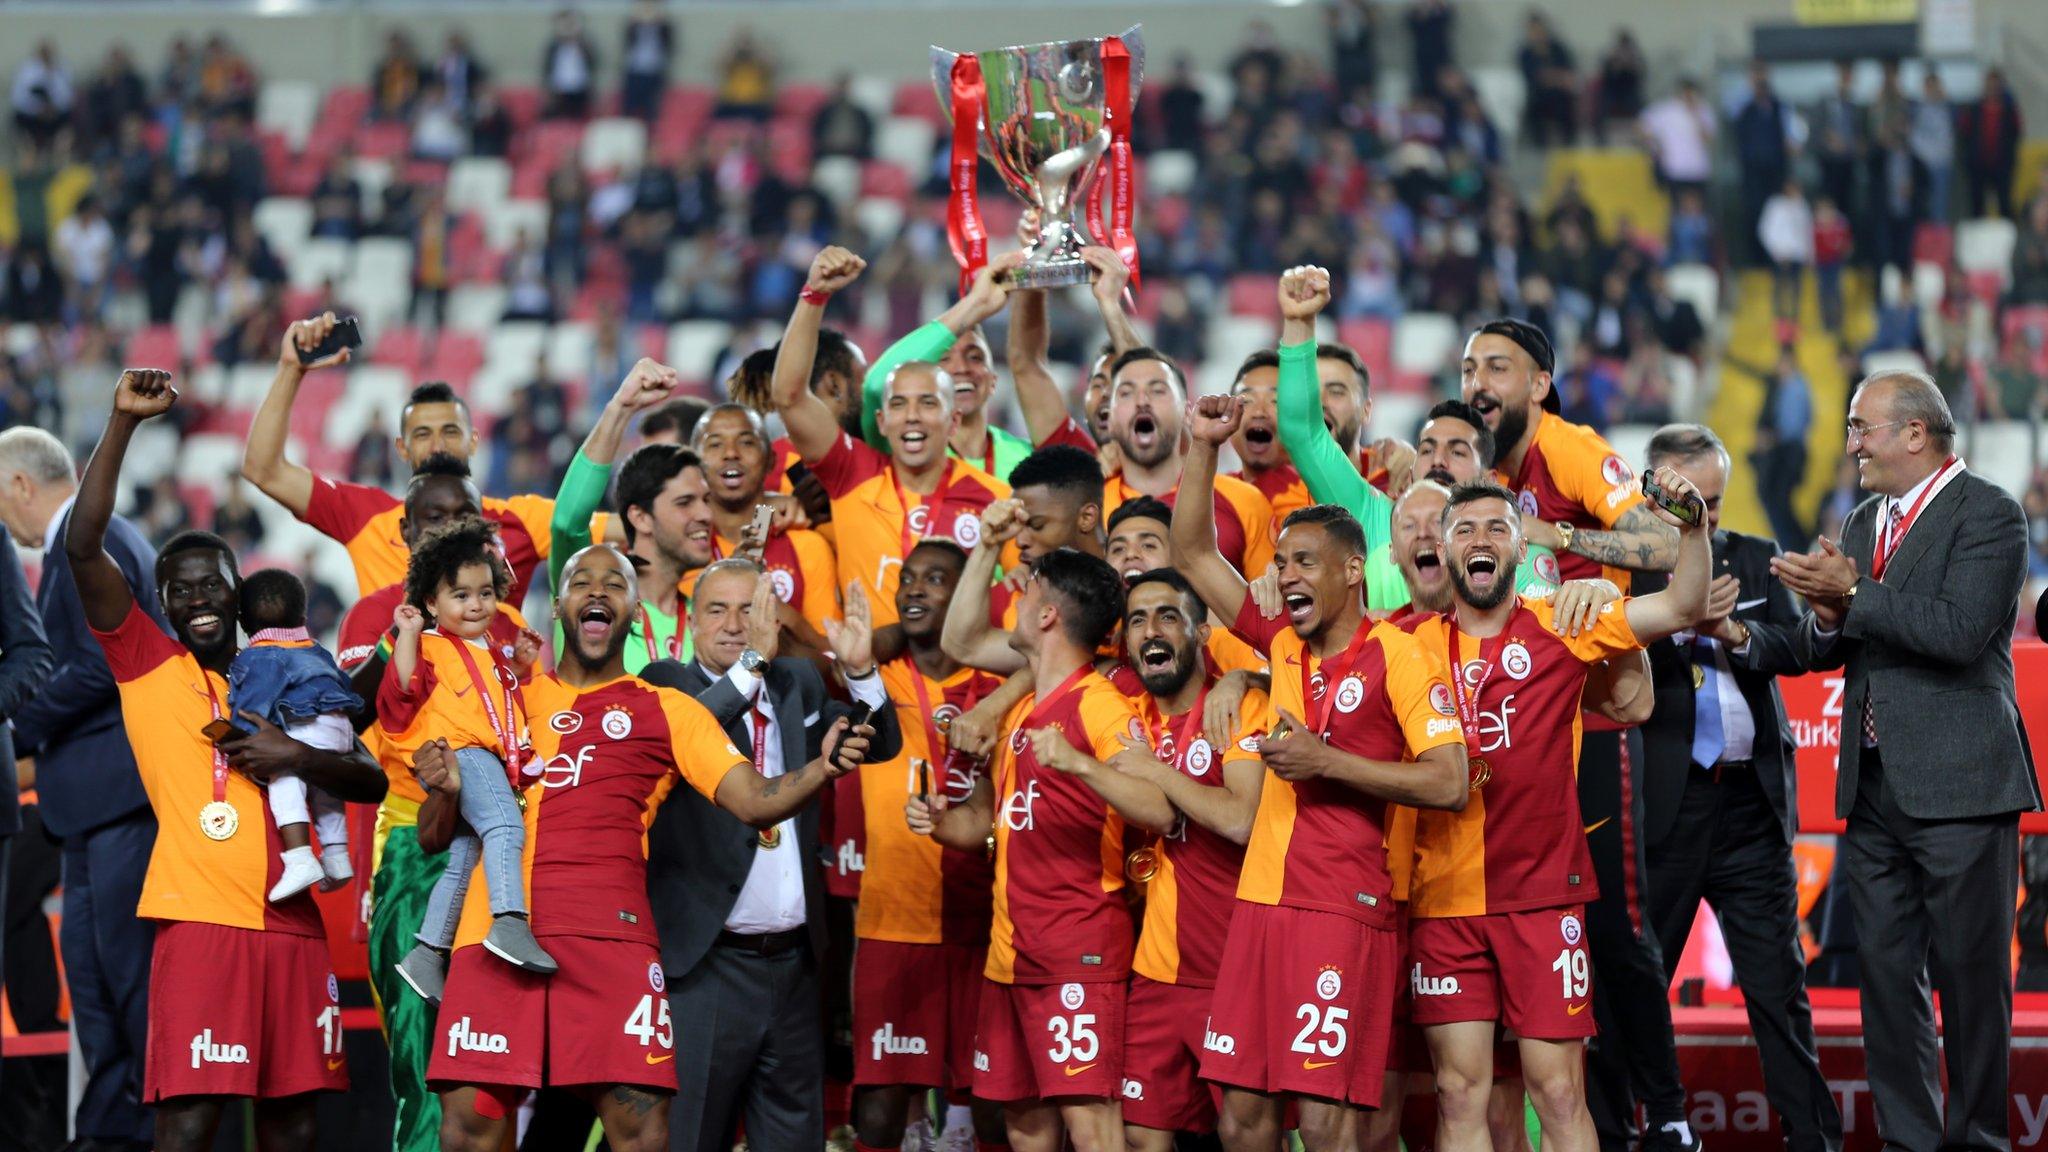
[(502, 723), (1883, 554), (1334, 672)]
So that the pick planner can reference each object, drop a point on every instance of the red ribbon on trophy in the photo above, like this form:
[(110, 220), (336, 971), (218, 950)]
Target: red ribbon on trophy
[(964, 229), (1122, 167)]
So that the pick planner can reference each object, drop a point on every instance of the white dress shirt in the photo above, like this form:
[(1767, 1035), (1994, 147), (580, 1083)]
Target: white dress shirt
[(1738, 725), (772, 899), (50, 541)]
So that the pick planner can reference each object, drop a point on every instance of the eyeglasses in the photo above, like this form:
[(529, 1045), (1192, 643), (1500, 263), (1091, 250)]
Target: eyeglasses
[(1860, 431)]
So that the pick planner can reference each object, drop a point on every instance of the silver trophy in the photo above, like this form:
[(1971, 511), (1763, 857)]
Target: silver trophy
[(1044, 131)]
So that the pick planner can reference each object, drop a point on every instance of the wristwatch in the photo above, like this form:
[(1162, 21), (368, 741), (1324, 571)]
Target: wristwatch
[(753, 661), (1564, 536)]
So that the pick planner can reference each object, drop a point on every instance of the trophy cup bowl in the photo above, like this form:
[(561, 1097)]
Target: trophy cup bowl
[(1045, 134)]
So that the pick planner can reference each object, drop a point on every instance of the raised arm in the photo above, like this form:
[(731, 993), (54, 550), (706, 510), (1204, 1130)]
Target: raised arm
[(1682, 603), (1331, 476), (812, 428), (1038, 394), (966, 635), (1642, 541), (263, 462), (141, 394), (589, 474), (1211, 421), (933, 340)]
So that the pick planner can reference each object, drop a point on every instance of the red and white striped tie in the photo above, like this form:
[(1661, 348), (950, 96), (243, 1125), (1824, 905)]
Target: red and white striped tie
[(1894, 522)]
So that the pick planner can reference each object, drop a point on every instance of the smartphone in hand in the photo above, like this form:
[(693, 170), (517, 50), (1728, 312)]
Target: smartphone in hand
[(1687, 508), (346, 333)]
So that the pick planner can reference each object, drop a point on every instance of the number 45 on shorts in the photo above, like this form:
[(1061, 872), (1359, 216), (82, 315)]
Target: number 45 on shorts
[(649, 1022)]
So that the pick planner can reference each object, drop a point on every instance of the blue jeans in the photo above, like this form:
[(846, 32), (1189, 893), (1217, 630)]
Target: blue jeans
[(496, 833)]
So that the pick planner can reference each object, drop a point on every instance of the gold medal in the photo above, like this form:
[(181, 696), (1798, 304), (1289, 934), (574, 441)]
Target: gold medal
[(1699, 677), (1142, 864), (1481, 772), (218, 820), (771, 837)]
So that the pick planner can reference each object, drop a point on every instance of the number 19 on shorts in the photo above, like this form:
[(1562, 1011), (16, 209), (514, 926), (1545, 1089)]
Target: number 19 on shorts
[(1574, 974)]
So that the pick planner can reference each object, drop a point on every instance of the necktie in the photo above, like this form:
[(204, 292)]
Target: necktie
[(1708, 738), (1895, 520)]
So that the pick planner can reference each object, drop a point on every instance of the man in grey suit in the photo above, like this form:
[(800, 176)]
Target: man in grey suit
[(1720, 795), (1917, 605), (90, 794), (740, 912)]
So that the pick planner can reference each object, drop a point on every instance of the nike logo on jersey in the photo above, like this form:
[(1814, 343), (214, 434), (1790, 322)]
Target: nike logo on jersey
[(1073, 1071), (653, 1059), (1597, 825), (335, 1065), (1575, 1009), (1312, 1065)]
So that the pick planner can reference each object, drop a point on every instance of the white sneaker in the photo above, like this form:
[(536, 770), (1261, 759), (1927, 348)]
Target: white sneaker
[(301, 871), (918, 1136), (335, 866)]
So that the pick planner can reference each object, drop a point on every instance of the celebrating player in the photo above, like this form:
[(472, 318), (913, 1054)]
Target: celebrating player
[(733, 444), (1499, 890), (244, 1001), (1049, 1042), (612, 745)]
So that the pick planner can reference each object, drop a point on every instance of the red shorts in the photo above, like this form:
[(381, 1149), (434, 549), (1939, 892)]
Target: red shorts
[(603, 1019), (1046, 1041), (1163, 1030), (1409, 1051), (914, 1012), (241, 1012), (1528, 970), (1307, 1011)]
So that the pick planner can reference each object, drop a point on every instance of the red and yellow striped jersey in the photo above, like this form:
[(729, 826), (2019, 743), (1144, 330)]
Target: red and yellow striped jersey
[(443, 701), (1059, 909), (1282, 487), (801, 566), (365, 521), (918, 891), (1189, 900), (1519, 843), (781, 456), (166, 699), (873, 515), (1318, 844), (1572, 474), (609, 755), (1245, 528)]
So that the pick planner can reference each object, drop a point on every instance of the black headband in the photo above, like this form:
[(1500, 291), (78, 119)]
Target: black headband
[(1530, 339)]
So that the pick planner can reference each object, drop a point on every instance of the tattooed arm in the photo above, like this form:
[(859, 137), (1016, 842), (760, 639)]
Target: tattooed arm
[(1638, 541)]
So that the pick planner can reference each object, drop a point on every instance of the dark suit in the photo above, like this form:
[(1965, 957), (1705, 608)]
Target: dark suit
[(748, 1042), (1723, 833), (91, 797), (1931, 857), (24, 660)]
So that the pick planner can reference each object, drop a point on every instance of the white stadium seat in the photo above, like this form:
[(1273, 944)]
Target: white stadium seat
[(1699, 286), (208, 458), (875, 95), (315, 262), (1232, 338), (838, 177), (373, 176), (1169, 172), (569, 348), (880, 218), (1502, 95), (515, 345), (284, 221), (1999, 449), (289, 107), (1986, 246), (1398, 413), (1903, 360), (247, 385), (379, 285), (1631, 442), (503, 221), (906, 141), (1930, 283), (693, 346), (614, 144), (478, 184), (475, 308), (372, 389), (1423, 342), (1218, 93)]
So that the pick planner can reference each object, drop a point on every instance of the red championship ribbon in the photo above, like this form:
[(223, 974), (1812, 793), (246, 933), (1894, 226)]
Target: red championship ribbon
[(1116, 74), (964, 229)]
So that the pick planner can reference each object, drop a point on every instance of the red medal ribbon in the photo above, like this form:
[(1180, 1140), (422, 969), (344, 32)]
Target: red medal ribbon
[(220, 758), (931, 505), (1116, 75), (964, 229), (1190, 721), (1334, 672), (1468, 706), (1882, 551), (515, 753), (1044, 704), (647, 636)]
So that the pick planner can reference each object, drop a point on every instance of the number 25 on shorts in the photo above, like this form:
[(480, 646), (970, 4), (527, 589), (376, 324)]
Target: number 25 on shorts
[(1322, 1034)]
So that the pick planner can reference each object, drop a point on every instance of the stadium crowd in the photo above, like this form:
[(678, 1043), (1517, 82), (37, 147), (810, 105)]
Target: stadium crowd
[(1011, 719)]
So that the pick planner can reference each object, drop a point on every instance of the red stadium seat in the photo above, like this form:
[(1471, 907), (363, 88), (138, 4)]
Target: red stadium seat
[(1935, 244), (457, 357), (1169, 214), (468, 253), (801, 100), (400, 346), (916, 98), (522, 104), (880, 178), (2027, 326), (1373, 340), (1987, 286), (156, 346), (1253, 294), (685, 108), (346, 105), (529, 179), (383, 141)]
